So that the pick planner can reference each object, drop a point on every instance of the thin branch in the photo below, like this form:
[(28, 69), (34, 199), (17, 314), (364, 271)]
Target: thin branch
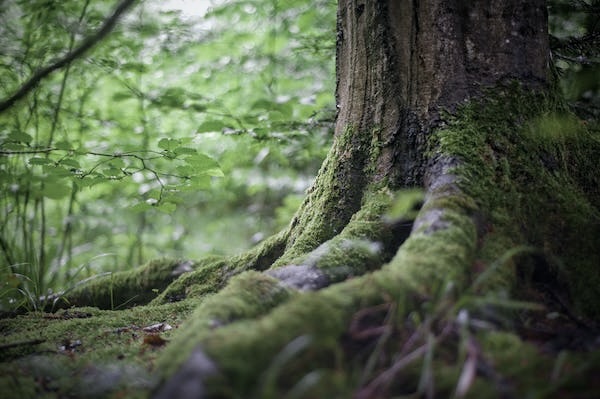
[(576, 60), (87, 44), (25, 152), (72, 150)]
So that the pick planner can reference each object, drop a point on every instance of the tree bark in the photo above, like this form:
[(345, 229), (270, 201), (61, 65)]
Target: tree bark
[(400, 63)]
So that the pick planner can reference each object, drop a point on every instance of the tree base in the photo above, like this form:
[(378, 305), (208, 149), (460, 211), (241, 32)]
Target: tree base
[(502, 257)]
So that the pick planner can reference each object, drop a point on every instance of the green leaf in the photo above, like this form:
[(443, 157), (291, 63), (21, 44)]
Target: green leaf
[(62, 145), (173, 97), (55, 190), (198, 107), (203, 164), (215, 172), (81, 150), (56, 172), (174, 197), (184, 150), (167, 207), (20, 137), (286, 109), (108, 62), (70, 162), (141, 207), (185, 170), (263, 103), (13, 147), (197, 183), (112, 172), (117, 163), (261, 132), (39, 161), (153, 196), (210, 126), (90, 181), (279, 110), (168, 144), (278, 115), (250, 119), (134, 66)]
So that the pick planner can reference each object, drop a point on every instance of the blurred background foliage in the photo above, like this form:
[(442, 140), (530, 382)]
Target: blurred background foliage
[(575, 41), (194, 128)]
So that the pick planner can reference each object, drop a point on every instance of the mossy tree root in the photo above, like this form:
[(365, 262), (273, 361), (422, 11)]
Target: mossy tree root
[(239, 352), (485, 195), (165, 280)]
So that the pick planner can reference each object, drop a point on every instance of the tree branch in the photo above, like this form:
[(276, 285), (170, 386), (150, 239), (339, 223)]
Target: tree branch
[(87, 44)]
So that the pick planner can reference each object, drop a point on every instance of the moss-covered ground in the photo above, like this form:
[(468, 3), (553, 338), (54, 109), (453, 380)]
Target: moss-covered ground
[(85, 352), (495, 293)]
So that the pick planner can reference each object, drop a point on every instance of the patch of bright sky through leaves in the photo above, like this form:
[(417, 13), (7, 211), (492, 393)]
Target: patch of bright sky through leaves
[(189, 8)]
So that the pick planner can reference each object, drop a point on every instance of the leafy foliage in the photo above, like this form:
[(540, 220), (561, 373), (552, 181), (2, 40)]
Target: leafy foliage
[(176, 135), (575, 42)]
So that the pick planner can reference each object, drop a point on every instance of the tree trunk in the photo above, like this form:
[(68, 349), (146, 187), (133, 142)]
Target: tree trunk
[(400, 63), (357, 297)]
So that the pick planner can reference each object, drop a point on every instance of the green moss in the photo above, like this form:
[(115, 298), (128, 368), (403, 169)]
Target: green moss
[(124, 289), (430, 260), (333, 199), (521, 158), (208, 277), (263, 255), (212, 273), (247, 295), (506, 367), (84, 352), (523, 369), (109, 346), (365, 225), (503, 280), (366, 242), (322, 317), (406, 204)]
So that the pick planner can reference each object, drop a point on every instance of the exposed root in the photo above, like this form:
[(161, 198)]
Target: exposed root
[(459, 245), (326, 314)]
